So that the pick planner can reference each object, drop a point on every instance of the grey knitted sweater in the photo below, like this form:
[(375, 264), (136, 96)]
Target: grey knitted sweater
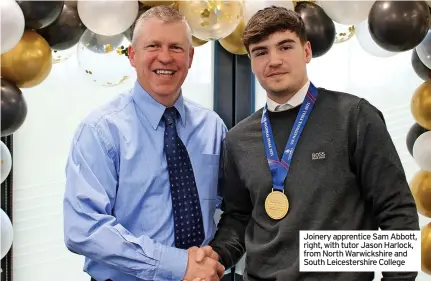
[(345, 175)]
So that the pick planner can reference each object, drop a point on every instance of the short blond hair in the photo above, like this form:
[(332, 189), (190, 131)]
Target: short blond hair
[(166, 13)]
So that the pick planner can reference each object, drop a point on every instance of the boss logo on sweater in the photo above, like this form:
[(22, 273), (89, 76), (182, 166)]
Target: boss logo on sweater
[(318, 155)]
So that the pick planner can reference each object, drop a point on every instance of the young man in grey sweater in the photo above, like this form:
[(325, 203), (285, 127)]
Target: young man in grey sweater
[(338, 171)]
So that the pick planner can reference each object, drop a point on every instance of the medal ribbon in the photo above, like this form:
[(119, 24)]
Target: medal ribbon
[(279, 169)]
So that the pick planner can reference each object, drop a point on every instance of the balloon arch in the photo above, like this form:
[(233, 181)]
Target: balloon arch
[(36, 35)]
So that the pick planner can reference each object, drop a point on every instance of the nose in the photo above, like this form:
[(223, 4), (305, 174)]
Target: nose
[(165, 56), (274, 59)]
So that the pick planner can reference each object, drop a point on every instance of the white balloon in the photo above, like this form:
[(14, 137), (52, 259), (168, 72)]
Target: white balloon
[(108, 17), (250, 7), (101, 59), (59, 56), (347, 12), (6, 161), (6, 233), (367, 42), (424, 50), (422, 151), (12, 24)]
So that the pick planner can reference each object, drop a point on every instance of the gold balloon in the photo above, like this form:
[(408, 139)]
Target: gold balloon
[(29, 62), (212, 19), (176, 5), (421, 105), (156, 3), (233, 43), (421, 189), (426, 248), (198, 42)]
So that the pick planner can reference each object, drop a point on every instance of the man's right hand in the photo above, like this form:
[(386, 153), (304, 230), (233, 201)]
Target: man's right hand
[(206, 251), (207, 269)]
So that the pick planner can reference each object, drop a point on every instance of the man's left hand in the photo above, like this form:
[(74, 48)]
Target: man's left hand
[(201, 253), (206, 251)]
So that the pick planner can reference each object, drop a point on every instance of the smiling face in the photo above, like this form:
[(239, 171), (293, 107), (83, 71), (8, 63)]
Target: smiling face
[(162, 56), (279, 63), (277, 44)]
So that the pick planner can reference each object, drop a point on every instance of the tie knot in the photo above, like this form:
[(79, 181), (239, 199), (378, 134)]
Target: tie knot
[(170, 115)]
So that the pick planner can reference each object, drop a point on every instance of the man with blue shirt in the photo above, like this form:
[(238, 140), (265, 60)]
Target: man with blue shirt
[(142, 174)]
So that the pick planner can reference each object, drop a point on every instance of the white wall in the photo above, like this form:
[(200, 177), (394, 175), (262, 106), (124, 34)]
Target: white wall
[(388, 83), (41, 147)]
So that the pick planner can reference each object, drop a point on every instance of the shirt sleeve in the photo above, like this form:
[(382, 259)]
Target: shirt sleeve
[(220, 203), (90, 227), (382, 177), (229, 240)]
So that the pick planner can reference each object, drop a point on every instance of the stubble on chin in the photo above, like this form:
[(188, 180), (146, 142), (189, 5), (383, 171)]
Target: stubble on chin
[(279, 91)]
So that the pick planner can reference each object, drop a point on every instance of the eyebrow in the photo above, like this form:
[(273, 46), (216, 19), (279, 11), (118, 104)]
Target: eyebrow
[(158, 43), (278, 44)]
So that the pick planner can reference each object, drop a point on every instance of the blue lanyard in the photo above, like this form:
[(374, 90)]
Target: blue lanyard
[(279, 169)]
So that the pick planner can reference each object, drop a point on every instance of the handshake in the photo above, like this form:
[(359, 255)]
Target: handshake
[(203, 265)]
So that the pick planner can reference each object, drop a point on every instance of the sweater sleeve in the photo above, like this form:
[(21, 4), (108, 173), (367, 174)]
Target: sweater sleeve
[(229, 240), (382, 177)]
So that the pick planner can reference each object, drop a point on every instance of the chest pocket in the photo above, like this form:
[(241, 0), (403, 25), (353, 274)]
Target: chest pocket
[(206, 171)]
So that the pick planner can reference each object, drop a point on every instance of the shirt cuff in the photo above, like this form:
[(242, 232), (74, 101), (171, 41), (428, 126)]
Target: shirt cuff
[(172, 264)]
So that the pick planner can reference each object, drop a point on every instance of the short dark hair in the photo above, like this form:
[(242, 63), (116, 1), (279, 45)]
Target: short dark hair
[(270, 20)]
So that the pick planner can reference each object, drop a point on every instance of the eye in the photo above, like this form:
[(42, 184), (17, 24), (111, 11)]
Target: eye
[(151, 47), (177, 49), (260, 53), (286, 48)]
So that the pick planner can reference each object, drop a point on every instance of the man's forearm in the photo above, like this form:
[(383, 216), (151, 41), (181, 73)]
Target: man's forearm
[(399, 276), (229, 241), (381, 173), (382, 178), (111, 244)]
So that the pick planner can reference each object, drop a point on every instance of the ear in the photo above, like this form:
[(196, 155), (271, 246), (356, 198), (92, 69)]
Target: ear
[(308, 52), (131, 52), (251, 62), (191, 55), (252, 67)]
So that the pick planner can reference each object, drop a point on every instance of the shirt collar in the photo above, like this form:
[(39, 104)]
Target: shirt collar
[(152, 109), (296, 100)]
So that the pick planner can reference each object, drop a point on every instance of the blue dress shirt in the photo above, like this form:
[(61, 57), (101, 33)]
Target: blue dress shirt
[(117, 204)]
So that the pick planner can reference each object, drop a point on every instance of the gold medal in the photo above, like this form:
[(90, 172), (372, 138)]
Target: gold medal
[(276, 205)]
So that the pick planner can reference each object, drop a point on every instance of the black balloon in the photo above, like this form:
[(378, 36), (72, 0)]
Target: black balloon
[(398, 26), (65, 32), (129, 34), (71, 4), (13, 108), (415, 131), (40, 14), (421, 70), (319, 27)]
